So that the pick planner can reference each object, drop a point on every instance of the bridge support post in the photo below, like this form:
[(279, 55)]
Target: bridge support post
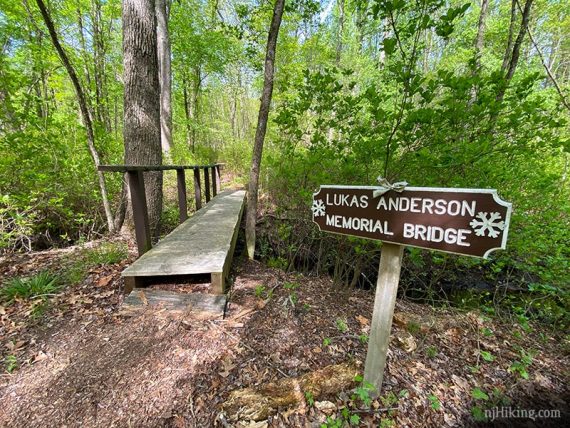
[(197, 189), (207, 184), (182, 202), (218, 181), (214, 182), (140, 212)]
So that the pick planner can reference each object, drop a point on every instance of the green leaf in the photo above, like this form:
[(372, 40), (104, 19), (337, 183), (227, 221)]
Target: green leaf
[(354, 419), (389, 45), (478, 394)]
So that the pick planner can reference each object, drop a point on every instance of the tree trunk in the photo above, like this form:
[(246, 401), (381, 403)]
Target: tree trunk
[(187, 114), (87, 121), (340, 30), (479, 41), (516, 49), (518, 42), (165, 73), (100, 62), (251, 215), (141, 103), (509, 48)]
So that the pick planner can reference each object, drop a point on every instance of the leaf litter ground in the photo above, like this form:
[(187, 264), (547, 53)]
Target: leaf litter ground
[(84, 363)]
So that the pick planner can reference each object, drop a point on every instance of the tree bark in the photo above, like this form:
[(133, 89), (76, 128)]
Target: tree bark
[(251, 215), (514, 57), (509, 48), (165, 73), (340, 31), (87, 121), (518, 42), (479, 41), (141, 129)]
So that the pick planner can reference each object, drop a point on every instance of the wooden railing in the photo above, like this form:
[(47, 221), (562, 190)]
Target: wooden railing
[(138, 199)]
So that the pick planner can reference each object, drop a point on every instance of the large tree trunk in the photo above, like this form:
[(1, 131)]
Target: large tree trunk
[(87, 121), (165, 74), (251, 215), (141, 104)]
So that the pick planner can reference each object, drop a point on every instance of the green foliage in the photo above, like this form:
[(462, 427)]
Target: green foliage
[(341, 325), (413, 327), (292, 297), (478, 394), (520, 366), (105, 254), (431, 351), (108, 253), (259, 290), (434, 402), (10, 363), (310, 399), (487, 356), (38, 285)]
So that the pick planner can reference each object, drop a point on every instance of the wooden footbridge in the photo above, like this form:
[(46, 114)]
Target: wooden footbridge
[(202, 244)]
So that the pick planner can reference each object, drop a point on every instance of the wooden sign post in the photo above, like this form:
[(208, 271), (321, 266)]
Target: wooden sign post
[(471, 222)]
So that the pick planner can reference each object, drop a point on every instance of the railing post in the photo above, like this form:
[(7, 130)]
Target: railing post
[(140, 212), (207, 184), (218, 181), (214, 182), (197, 189), (182, 202)]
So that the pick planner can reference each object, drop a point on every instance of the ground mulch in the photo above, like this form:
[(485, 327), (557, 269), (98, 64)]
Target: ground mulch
[(83, 363)]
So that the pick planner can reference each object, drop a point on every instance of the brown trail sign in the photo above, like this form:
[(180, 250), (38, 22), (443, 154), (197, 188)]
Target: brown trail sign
[(471, 222)]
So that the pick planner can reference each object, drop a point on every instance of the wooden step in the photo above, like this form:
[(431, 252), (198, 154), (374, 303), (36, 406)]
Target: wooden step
[(203, 244), (197, 303)]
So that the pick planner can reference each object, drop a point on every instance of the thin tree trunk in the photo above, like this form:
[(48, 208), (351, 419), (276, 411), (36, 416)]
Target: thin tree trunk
[(83, 108), (516, 48), (99, 59), (187, 113), (479, 41), (165, 73), (142, 100), (340, 30), (565, 102), (195, 110), (253, 187), (510, 39)]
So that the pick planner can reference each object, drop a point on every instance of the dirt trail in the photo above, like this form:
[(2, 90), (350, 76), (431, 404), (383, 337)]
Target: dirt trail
[(92, 367)]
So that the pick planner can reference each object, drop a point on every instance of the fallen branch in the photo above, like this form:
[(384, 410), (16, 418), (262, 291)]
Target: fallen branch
[(263, 401)]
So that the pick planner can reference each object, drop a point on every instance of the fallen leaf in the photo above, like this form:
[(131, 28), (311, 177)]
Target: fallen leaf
[(408, 342), (143, 298), (104, 281), (40, 356), (325, 406), (362, 320)]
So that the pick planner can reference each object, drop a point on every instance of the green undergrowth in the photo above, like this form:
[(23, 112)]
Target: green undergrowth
[(45, 284), (42, 284)]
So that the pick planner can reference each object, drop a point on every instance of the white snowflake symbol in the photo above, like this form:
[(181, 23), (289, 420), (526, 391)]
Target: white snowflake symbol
[(482, 224), (318, 208)]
